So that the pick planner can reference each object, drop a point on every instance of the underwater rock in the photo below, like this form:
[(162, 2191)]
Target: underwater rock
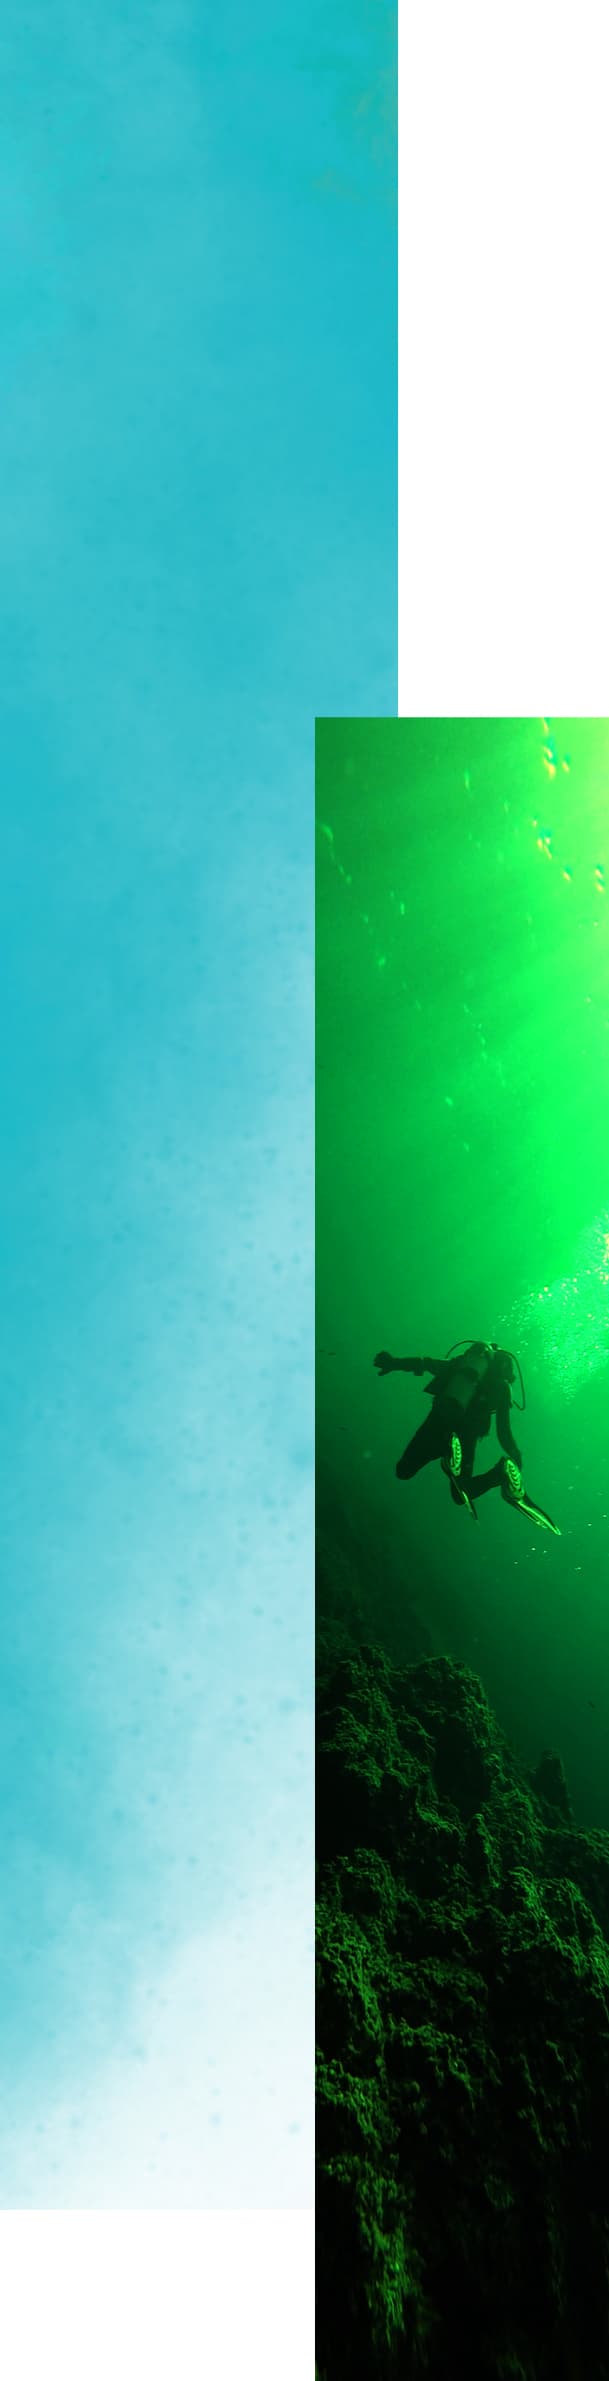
[(463, 2028)]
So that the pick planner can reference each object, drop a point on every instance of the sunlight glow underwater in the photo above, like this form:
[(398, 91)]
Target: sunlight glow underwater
[(565, 1323)]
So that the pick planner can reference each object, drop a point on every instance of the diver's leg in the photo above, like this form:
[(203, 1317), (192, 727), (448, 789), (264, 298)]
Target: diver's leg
[(457, 1461), (425, 1447), (452, 1438), (486, 1480)]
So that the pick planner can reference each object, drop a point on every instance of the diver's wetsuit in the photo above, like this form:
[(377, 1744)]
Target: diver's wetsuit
[(463, 1404), (433, 1439), (466, 1391)]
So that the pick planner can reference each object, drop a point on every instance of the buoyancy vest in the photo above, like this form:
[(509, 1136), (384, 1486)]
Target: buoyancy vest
[(462, 1380)]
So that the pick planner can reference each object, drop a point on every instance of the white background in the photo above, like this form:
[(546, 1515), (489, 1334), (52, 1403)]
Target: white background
[(228, 2297), (503, 360)]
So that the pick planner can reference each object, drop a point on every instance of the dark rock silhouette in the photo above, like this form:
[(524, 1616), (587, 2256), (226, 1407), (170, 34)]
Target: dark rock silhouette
[(463, 2027)]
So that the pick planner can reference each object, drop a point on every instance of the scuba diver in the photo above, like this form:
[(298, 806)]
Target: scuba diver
[(466, 1391)]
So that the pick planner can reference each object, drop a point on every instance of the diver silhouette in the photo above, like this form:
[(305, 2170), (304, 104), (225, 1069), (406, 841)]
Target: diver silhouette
[(467, 1390)]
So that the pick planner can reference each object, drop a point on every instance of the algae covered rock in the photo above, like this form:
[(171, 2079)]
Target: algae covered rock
[(463, 2029)]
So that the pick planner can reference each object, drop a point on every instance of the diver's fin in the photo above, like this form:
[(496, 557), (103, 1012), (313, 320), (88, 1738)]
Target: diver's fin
[(458, 1492), (536, 1513), (464, 1499), (513, 1493)]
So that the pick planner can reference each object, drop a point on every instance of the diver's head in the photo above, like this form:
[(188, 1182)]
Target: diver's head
[(503, 1366)]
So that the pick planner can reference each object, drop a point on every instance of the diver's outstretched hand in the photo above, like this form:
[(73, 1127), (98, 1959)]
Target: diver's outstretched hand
[(384, 1363)]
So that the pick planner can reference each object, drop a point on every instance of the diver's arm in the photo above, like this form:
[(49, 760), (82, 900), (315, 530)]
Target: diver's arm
[(504, 1428), (386, 1363), (417, 1364)]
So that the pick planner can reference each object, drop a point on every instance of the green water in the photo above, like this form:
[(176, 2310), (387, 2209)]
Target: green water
[(463, 1183)]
